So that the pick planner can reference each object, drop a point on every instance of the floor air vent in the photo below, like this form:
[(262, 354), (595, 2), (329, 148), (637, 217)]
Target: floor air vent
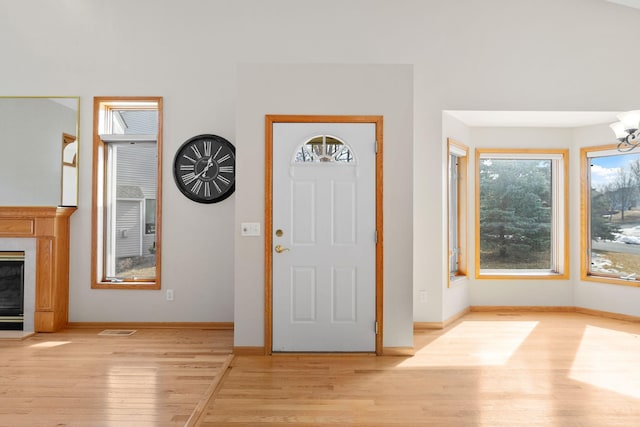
[(117, 332)]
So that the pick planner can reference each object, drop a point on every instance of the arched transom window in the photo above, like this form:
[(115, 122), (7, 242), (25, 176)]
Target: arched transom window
[(324, 148)]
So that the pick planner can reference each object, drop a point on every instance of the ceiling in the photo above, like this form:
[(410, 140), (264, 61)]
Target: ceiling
[(630, 3), (552, 119), (549, 119)]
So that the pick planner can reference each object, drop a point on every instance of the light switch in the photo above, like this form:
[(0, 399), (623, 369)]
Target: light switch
[(250, 229)]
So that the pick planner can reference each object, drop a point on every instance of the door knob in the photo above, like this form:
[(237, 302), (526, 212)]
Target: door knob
[(280, 249)]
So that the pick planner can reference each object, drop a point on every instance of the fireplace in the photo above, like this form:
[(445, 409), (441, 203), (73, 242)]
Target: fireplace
[(12, 291), (42, 233)]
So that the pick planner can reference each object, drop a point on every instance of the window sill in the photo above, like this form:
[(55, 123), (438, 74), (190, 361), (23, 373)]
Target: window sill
[(127, 285), (521, 275), (611, 280)]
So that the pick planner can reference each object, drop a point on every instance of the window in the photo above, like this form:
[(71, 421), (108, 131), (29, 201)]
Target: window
[(457, 184), (126, 193), (521, 218), (610, 217), (150, 216), (324, 148)]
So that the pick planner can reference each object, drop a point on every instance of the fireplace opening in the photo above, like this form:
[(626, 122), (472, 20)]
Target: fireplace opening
[(11, 291)]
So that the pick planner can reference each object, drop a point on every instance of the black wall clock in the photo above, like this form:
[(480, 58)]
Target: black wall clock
[(205, 168)]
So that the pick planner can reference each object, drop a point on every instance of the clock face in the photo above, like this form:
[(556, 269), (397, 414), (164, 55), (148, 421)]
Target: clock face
[(205, 168)]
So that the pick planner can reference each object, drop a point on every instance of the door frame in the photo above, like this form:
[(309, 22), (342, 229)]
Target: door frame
[(270, 120)]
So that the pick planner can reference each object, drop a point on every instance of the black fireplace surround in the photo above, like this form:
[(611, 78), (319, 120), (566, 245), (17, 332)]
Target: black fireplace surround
[(11, 291)]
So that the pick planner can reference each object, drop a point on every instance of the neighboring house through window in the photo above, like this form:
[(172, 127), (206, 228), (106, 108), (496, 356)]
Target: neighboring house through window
[(127, 147), (150, 217)]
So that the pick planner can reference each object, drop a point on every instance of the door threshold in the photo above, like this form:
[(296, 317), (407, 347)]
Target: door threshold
[(324, 353)]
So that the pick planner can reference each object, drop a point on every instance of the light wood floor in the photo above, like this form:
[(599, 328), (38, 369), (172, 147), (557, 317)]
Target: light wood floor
[(79, 378), (488, 369)]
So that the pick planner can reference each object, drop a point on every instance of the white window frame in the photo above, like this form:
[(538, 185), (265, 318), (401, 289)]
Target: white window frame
[(560, 222), (457, 239), (112, 142)]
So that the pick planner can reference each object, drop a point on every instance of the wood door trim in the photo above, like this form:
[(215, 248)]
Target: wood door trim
[(268, 216)]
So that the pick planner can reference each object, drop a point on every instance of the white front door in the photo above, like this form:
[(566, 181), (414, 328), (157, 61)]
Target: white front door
[(324, 237)]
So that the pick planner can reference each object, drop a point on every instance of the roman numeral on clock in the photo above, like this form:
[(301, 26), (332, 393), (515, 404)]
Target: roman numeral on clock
[(226, 169), (223, 179), (189, 178), (196, 151), (189, 158), (196, 187)]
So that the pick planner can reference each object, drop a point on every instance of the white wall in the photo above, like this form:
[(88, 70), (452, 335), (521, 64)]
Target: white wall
[(319, 89), (466, 55)]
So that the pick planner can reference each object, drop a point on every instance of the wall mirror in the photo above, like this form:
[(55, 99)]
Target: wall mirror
[(39, 151)]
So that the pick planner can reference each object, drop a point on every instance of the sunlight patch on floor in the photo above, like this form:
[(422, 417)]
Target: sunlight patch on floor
[(131, 385), (117, 332), (466, 344), (50, 344), (608, 359)]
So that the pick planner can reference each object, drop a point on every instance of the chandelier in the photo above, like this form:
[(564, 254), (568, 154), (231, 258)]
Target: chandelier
[(626, 130)]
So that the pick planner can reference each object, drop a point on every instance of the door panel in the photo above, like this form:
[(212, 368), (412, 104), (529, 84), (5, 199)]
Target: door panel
[(324, 277), (344, 286), (303, 294), (344, 219), (303, 212)]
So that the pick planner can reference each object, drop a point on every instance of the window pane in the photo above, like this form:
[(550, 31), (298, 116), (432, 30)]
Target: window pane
[(134, 121), (150, 217), (457, 223), (515, 214), (324, 149), (131, 250), (614, 218), (453, 214)]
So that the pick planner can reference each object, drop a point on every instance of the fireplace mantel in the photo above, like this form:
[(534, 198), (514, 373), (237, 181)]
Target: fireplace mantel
[(50, 227)]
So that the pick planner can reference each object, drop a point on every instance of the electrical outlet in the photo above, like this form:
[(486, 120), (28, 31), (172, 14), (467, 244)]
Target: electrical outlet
[(422, 295), (169, 294)]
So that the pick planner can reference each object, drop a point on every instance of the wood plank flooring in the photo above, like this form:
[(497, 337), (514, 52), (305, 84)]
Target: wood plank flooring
[(487, 369), (155, 377)]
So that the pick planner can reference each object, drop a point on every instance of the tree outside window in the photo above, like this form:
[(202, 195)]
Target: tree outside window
[(611, 220), (521, 221)]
